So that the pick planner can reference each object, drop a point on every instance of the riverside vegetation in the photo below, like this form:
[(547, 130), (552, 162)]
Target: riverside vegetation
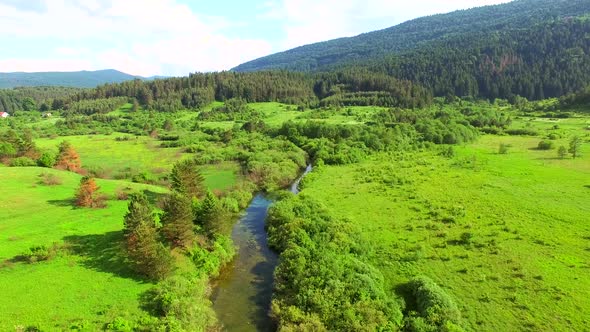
[(386, 224), (448, 191)]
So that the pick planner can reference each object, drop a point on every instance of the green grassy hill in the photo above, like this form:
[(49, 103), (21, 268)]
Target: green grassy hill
[(88, 283)]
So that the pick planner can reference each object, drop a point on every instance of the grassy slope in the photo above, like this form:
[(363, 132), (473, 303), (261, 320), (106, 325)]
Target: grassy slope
[(92, 283), (527, 265)]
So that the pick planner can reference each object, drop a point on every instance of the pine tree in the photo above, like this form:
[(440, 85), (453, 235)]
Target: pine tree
[(139, 210), (210, 216), (177, 221), (67, 158), (147, 255), (187, 179)]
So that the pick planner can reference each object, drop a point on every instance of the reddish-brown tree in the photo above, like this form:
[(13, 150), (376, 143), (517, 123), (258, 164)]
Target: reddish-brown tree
[(67, 158), (86, 195)]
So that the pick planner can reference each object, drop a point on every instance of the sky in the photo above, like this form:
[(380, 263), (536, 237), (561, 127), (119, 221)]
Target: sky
[(177, 37)]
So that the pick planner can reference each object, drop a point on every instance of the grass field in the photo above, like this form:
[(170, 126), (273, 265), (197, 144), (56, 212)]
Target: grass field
[(275, 114), (506, 234), (88, 283), (139, 153), (117, 159)]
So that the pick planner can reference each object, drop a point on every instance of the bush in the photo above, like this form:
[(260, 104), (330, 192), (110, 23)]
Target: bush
[(545, 145), (182, 302), (121, 194), (46, 160), (503, 148), (120, 325), (40, 253), (50, 179), (22, 162), (521, 132), (433, 303)]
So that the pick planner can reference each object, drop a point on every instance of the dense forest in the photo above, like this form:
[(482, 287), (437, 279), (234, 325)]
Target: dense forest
[(534, 49), (38, 98), (339, 88)]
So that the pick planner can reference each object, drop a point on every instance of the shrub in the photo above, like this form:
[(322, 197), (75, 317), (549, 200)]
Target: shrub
[(40, 253), (503, 148), (433, 303), (22, 162), (121, 194), (521, 132), (182, 301), (545, 145), (120, 325), (466, 238), (50, 179), (46, 160)]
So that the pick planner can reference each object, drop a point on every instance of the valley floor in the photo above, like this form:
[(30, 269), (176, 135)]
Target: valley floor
[(506, 234)]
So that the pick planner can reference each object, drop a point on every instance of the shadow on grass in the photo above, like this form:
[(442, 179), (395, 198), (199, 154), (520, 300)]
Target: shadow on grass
[(63, 202), (102, 252), (153, 197), (405, 292)]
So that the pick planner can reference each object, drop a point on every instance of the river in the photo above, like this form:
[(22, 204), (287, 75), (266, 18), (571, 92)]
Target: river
[(243, 291)]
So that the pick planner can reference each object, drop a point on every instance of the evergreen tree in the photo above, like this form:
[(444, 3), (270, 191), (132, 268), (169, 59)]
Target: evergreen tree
[(177, 221), (210, 216), (147, 255), (139, 210), (187, 179)]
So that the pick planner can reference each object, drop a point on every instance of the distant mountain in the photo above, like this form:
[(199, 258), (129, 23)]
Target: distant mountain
[(78, 79), (532, 48)]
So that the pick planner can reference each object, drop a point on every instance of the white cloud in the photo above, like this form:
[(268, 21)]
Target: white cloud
[(142, 37), (149, 37)]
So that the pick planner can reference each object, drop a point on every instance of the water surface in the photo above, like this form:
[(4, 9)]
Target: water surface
[(243, 291)]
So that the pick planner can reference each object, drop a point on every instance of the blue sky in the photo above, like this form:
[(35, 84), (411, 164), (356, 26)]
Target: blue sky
[(175, 37)]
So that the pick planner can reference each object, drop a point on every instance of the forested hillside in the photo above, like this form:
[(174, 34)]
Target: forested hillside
[(79, 79), (532, 48), (34, 98), (347, 87)]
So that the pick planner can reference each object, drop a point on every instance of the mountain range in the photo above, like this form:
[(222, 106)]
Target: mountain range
[(79, 79)]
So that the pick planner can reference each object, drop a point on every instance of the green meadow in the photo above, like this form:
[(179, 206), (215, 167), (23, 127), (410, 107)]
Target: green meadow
[(112, 157), (104, 151), (504, 234), (88, 283), (507, 235)]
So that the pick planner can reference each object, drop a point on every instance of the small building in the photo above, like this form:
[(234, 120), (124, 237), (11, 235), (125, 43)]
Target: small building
[(4, 115)]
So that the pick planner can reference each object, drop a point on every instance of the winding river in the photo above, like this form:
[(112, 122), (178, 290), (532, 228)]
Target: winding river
[(243, 291)]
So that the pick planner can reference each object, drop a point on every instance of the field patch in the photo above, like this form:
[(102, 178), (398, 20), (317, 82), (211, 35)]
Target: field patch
[(505, 234), (87, 283)]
